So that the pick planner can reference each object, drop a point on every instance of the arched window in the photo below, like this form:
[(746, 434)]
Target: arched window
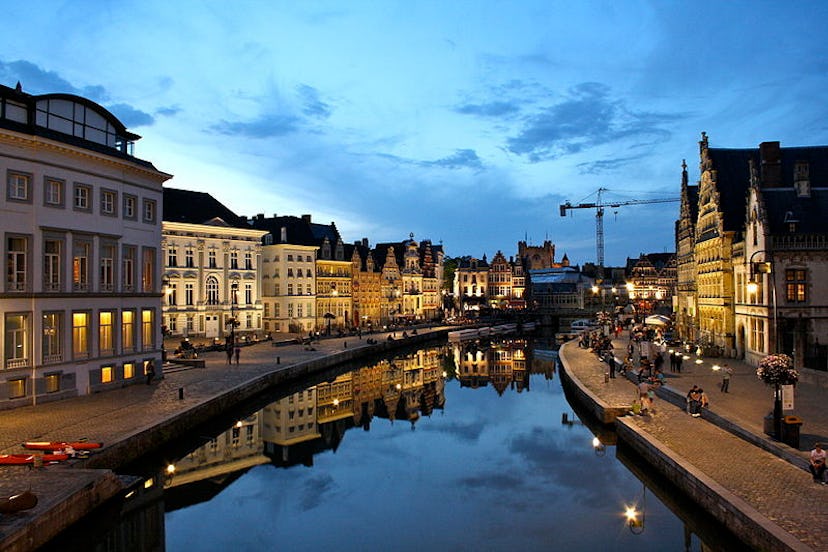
[(212, 291)]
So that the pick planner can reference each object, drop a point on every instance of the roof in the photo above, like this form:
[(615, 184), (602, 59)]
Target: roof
[(198, 208), (298, 230), (783, 206)]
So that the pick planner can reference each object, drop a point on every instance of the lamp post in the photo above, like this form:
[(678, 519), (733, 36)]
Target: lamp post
[(765, 267), (234, 288)]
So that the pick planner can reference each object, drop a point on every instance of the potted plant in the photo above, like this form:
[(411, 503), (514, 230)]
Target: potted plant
[(777, 370)]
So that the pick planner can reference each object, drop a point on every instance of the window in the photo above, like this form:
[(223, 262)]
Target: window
[(188, 258), (309, 289), (190, 323), (51, 263), (290, 273), (16, 253), (80, 265), (128, 331), (109, 203), (172, 294), (757, 334), (52, 382), (106, 374), (234, 260), (248, 294), (82, 197), (53, 192), (148, 328), (276, 310), (290, 289), (128, 263), (80, 335), (16, 340), (248, 261), (52, 338), (211, 259), (173, 324), (212, 291), (308, 273), (796, 285), (290, 258), (188, 294), (148, 270), (248, 323), (18, 187), (105, 341), (129, 370), (107, 274), (17, 388), (172, 256), (266, 309), (130, 202), (149, 210)]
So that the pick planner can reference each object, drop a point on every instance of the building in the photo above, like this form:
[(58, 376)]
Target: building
[(650, 282), (81, 222), (367, 286), (212, 269), (471, 283), (757, 256), (289, 273)]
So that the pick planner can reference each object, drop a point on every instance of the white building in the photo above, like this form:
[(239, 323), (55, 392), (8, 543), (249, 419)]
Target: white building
[(212, 268), (80, 219)]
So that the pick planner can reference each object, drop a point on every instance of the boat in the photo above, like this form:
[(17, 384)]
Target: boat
[(61, 445), (22, 459), (18, 502)]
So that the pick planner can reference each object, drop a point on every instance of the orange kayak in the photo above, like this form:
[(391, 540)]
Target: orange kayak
[(61, 445), (21, 459)]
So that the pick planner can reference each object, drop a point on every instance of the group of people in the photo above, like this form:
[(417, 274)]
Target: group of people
[(696, 400)]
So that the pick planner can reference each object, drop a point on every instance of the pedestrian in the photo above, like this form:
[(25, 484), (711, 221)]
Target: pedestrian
[(611, 361), (816, 464), (644, 389), (238, 353), (229, 350), (727, 371), (694, 401), (679, 358), (150, 371)]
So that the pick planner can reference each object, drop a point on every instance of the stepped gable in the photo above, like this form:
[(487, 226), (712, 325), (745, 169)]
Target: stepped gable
[(198, 208)]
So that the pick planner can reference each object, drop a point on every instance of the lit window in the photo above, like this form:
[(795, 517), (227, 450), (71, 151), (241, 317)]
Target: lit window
[(52, 382), (147, 329), (16, 351), (80, 335), (796, 283), (17, 388), (128, 330), (106, 374), (105, 342), (129, 370)]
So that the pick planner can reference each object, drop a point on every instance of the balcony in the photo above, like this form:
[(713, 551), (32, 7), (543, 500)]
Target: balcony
[(13, 363)]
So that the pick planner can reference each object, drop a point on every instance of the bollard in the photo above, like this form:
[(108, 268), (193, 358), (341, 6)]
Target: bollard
[(606, 377), (180, 393), (278, 360)]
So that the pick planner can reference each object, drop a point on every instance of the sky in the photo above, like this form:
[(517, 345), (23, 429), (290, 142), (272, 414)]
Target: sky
[(464, 122)]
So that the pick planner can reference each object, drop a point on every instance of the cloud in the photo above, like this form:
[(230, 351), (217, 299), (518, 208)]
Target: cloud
[(585, 118), (313, 106), (168, 111), (491, 109), (462, 159), (468, 431), (130, 116), (606, 165), (268, 126)]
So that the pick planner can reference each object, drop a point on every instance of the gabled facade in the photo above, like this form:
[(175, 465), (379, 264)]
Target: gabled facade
[(367, 287), (212, 269), (80, 219), (759, 219)]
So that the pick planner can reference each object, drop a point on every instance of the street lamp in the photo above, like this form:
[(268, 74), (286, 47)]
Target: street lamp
[(764, 267), (234, 288)]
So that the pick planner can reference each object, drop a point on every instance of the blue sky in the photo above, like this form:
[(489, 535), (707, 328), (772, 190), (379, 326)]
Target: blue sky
[(464, 122)]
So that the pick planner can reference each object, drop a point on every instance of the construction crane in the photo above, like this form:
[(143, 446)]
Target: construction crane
[(599, 215)]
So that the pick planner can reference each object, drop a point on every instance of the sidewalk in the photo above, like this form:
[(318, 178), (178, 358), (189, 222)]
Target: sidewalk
[(780, 492)]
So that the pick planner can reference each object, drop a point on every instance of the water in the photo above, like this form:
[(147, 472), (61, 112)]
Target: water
[(461, 447)]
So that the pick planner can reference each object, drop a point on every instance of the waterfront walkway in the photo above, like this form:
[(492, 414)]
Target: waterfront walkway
[(727, 447)]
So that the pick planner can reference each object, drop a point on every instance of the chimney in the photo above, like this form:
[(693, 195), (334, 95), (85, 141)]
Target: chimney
[(260, 216), (365, 242), (283, 235), (306, 218), (770, 159)]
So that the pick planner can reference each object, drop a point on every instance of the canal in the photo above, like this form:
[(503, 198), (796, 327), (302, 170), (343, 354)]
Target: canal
[(462, 446)]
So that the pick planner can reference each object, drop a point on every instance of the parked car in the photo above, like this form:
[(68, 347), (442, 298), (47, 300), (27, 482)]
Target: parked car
[(583, 324)]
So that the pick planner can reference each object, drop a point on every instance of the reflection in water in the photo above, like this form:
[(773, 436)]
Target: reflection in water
[(494, 469)]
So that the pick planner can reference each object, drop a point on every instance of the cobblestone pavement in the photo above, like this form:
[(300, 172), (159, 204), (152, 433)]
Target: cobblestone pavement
[(779, 490)]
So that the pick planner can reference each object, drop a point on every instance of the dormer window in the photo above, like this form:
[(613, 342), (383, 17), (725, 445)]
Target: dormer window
[(791, 221)]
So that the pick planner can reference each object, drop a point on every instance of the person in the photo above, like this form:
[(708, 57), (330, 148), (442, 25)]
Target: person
[(679, 359), (694, 401), (644, 389), (816, 463), (229, 349), (610, 358), (727, 371), (150, 371), (705, 402), (238, 354)]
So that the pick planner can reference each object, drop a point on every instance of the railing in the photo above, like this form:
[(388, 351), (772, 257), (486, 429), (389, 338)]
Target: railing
[(800, 241), (13, 363), (53, 358)]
